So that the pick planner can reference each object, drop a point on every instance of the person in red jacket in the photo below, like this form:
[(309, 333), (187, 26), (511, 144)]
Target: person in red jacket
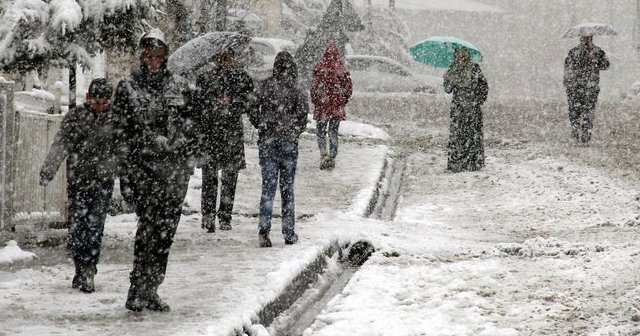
[(331, 89)]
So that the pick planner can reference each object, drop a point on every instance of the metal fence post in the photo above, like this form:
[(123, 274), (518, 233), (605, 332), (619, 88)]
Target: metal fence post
[(7, 143)]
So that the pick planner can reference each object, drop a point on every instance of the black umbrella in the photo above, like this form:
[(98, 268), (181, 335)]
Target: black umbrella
[(201, 50)]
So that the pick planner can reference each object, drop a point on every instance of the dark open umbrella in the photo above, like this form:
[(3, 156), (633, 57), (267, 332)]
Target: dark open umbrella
[(201, 50)]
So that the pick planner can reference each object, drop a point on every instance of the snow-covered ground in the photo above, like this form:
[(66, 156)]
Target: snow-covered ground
[(543, 241)]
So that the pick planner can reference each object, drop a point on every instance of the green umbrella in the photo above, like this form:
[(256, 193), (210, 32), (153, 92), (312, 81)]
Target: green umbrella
[(437, 51)]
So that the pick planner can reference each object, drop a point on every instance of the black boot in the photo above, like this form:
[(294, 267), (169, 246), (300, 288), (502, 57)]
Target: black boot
[(155, 303), (77, 278), (87, 285), (263, 239), (209, 223), (135, 300)]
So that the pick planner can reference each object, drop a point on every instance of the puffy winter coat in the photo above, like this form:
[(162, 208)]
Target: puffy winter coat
[(331, 86)]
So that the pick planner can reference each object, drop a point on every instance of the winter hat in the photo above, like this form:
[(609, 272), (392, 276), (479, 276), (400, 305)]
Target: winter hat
[(153, 38), (100, 88)]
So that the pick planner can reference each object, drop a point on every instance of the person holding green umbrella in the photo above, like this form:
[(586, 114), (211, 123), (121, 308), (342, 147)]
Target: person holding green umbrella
[(464, 79)]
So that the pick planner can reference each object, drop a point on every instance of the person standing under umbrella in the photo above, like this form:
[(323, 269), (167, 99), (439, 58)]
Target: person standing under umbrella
[(223, 95), (155, 145), (582, 68), (465, 80), (331, 89)]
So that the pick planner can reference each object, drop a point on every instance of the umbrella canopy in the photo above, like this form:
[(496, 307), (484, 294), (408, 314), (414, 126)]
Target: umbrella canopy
[(437, 51), (202, 49), (589, 29)]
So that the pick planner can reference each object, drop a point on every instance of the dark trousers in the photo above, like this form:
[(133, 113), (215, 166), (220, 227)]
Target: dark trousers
[(229, 180), (88, 206), (159, 206), (582, 106)]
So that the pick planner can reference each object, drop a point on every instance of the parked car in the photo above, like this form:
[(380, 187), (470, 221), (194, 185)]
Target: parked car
[(261, 53), (381, 74)]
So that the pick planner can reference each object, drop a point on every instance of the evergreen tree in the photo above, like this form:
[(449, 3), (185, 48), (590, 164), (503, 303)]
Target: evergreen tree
[(37, 34)]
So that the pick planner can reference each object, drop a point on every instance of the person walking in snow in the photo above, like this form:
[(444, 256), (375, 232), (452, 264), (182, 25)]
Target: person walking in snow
[(582, 68), (223, 95), (280, 116), (86, 140), (331, 89), (464, 79), (153, 109)]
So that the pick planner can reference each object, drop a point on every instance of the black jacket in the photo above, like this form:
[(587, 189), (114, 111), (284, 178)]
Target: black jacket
[(220, 100), (154, 115), (582, 67), (86, 139), (281, 106)]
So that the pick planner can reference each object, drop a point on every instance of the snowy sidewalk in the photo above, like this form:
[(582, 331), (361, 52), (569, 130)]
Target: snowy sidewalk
[(215, 283)]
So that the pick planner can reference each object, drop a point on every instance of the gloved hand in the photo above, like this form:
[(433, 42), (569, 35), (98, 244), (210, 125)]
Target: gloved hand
[(45, 178)]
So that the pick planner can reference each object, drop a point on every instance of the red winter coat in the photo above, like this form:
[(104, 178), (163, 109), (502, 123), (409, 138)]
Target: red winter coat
[(330, 86)]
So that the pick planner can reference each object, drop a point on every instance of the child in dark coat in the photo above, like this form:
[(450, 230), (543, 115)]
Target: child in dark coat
[(86, 141)]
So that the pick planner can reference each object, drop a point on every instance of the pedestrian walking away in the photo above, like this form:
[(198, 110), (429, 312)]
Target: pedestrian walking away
[(223, 94), (331, 88), (86, 140), (582, 68), (464, 79), (157, 141), (280, 116)]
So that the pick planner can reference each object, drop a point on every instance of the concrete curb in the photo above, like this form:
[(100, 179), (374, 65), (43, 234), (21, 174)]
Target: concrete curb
[(309, 274)]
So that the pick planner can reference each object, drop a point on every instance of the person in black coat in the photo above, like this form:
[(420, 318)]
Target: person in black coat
[(581, 79), (464, 79), (280, 116), (223, 95), (155, 147), (86, 140)]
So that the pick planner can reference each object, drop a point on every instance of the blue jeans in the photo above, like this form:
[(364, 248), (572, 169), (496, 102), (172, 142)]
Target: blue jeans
[(278, 160), (328, 127)]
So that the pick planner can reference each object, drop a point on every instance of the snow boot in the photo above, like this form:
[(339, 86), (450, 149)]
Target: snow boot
[(263, 239)]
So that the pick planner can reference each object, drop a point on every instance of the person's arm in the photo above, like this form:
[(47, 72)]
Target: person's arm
[(348, 86), (60, 149), (302, 112), (255, 109), (447, 82), (482, 90), (603, 60)]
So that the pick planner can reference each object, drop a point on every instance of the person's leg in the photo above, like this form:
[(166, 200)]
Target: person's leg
[(333, 127), (574, 114), (154, 237), (227, 197), (591, 99), (287, 169), (209, 196), (321, 136), (269, 169), (94, 219)]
